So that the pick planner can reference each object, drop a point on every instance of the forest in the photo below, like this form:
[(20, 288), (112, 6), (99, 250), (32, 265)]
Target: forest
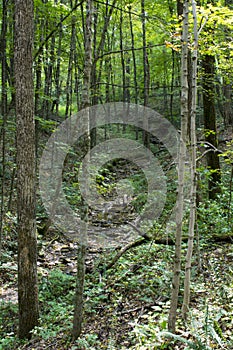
[(116, 174)]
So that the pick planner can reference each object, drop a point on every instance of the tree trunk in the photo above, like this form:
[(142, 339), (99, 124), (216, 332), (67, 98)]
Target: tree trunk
[(27, 245), (69, 81), (94, 82), (48, 71), (58, 72), (10, 63), (192, 214), (208, 64), (134, 59), (3, 112), (80, 278), (181, 167), (122, 59), (38, 73), (146, 140), (122, 65), (38, 70), (227, 109)]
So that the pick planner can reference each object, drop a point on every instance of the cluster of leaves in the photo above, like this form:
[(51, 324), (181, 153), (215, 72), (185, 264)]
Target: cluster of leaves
[(214, 217)]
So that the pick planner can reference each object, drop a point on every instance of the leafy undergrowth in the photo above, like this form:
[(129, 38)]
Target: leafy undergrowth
[(126, 307)]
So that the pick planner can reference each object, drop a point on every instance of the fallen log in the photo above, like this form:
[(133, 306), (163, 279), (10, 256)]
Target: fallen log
[(160, 241)]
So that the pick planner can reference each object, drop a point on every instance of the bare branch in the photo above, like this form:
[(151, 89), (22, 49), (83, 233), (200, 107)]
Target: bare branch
[(129, 49)]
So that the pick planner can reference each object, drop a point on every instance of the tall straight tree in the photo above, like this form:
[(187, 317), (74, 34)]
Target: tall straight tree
[(27, 244), (146, 75), (209, 112), (3, 110), (181, 169), (192, 215), (80, 277)]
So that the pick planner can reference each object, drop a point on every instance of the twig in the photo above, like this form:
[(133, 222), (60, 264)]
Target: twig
[(211, 149), (202, 24)]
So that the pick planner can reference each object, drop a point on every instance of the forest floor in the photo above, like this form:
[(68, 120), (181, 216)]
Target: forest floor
[(126, 307)]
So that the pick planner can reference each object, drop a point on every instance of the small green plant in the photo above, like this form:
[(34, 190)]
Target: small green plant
[(56, 286), (7, 342), (87, 342), (213, 216), (8, 325), (46, 125), (203, 333), (55, 296)]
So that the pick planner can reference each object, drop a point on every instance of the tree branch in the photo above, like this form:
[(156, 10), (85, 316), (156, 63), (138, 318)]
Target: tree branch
[(129, 49), (122, 251), (211, 148)]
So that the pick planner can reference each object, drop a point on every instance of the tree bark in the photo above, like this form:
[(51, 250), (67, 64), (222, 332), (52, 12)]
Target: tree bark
[(146, 139), (3, 113), (27, 245), (134, 58), (192, 214), (227, 110), (49, 66), (181, 168), (58, 73), (69, 81), (80, 278), (208, 65)]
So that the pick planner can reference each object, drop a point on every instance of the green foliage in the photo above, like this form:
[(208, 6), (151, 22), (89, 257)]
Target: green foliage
[(227, 155), (214, 216), (56, 286), (213, 219), (87, 342), (142, 276), (8, 325), (140, 280), (56, 303), (8, 342), (46, 125), (141, 269), (204, 334)]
